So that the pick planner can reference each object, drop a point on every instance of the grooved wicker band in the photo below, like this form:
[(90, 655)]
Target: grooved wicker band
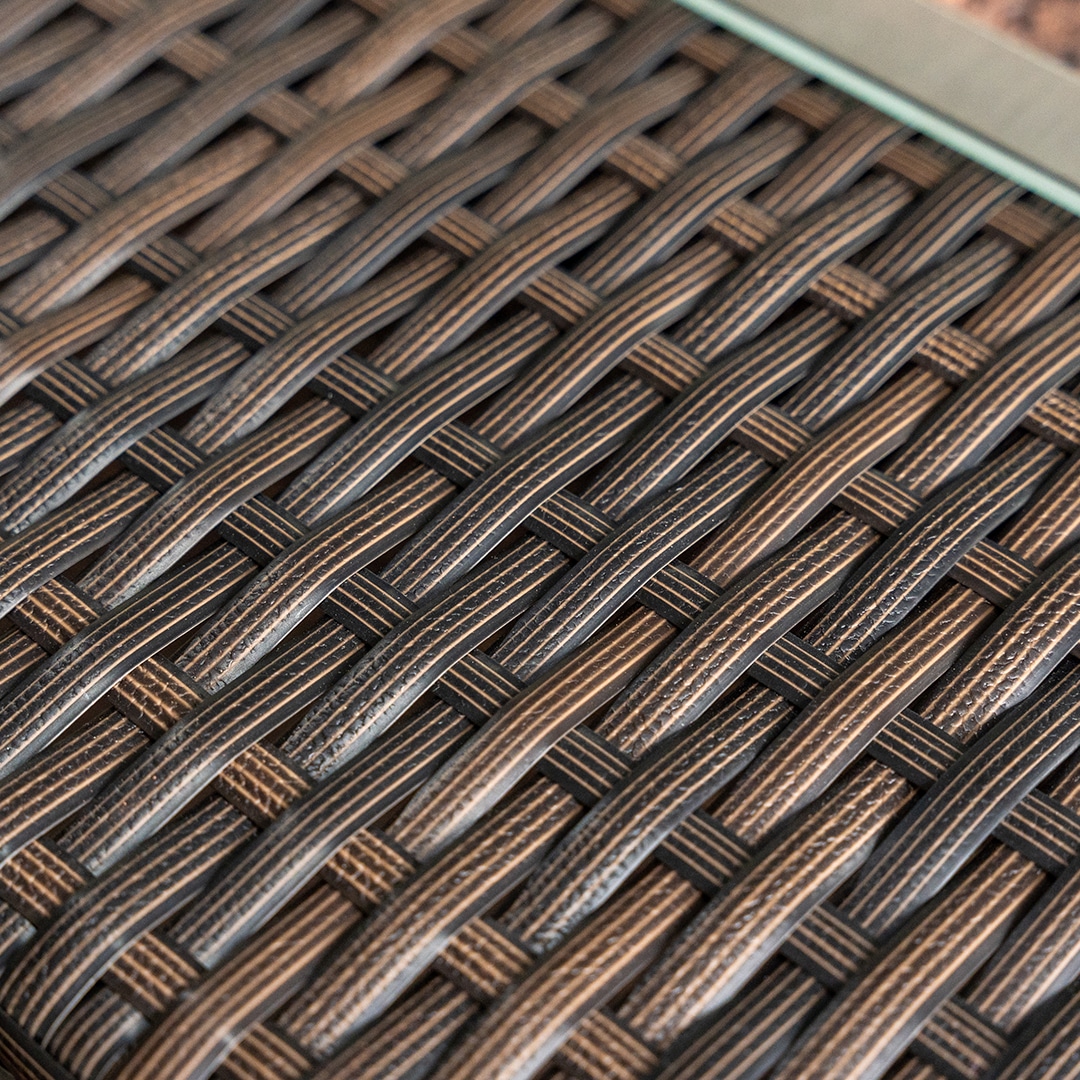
[(534, 541)]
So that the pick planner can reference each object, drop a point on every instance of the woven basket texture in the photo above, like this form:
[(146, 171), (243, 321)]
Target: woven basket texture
[(535, 540)]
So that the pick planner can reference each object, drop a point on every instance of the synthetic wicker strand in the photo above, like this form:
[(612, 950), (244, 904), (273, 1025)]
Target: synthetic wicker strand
[(535, 540)]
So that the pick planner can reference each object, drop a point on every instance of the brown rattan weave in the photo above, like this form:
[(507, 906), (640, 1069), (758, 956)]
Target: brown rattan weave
[(534, 541)]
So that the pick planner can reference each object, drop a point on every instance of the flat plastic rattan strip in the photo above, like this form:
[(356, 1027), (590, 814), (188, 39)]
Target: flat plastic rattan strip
[(534, 541)]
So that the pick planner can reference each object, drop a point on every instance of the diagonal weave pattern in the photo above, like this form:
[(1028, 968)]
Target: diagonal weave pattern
[(534, 541)]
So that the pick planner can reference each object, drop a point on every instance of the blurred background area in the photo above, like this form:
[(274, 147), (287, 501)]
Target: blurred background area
[(1050, 25)]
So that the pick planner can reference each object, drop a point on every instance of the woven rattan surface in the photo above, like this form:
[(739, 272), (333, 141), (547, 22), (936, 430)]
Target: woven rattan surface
[(534, 541)]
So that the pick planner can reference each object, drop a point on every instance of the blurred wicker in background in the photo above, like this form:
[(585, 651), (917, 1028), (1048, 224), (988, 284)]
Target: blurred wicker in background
[(536, 542)]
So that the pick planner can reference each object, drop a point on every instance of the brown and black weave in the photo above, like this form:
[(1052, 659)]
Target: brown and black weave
[(534, 541)]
